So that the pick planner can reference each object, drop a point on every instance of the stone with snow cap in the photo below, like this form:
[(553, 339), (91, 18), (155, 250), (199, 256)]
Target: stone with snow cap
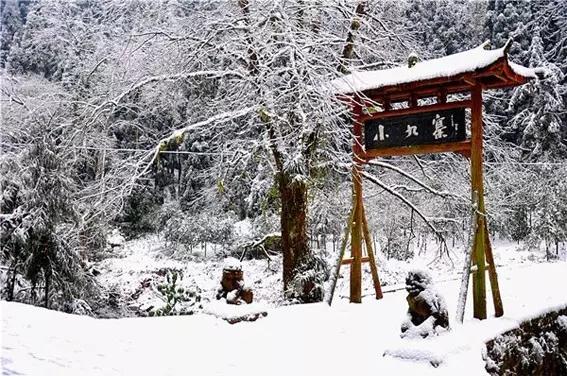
[(232, 287), (231, 263)]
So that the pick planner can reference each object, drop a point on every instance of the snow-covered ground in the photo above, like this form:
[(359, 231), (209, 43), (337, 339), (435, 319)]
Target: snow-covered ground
[(302, 340), (134, 271)]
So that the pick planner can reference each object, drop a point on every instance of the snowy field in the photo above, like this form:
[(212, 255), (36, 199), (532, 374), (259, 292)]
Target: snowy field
[(134, 271), (294, 340)]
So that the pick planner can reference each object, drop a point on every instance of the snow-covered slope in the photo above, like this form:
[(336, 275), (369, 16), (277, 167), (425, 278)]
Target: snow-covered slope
[(303, 340)]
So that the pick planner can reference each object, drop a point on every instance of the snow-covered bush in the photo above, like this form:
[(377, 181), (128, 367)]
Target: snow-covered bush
[(260, 238), (40, 230), (265, 224), (177, 299), (308, 285), (267, 246), (190, 230), (537, 347), (139, 212)]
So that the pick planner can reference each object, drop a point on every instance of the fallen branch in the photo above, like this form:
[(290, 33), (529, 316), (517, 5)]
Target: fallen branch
[(259, 244)]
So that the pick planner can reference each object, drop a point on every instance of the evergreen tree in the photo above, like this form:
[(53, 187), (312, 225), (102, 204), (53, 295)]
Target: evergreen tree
[(536, 109), (39, 241), (10, 23), (445, 27)]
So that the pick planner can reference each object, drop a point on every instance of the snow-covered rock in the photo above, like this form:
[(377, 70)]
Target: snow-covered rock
[(115, 239), (231, 263)]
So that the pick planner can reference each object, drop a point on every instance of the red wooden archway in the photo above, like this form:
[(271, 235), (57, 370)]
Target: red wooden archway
[(397, 92)]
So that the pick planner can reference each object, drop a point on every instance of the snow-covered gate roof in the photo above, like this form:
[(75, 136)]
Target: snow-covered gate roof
[(453, 73)]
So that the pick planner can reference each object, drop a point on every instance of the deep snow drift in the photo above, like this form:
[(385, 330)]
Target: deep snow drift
[(308, 339)]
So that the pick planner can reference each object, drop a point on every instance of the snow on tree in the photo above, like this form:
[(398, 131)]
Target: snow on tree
[(537, 109), (273, 63)]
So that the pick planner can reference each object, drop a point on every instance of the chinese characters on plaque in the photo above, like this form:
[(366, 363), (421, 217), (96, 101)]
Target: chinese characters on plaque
[(422, 129)]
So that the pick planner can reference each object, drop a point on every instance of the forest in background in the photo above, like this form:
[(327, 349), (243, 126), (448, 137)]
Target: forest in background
[(90, 88)]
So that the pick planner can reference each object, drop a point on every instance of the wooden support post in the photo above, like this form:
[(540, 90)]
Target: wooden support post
[(349, 261), (387, 104), (478, 254), (356, 228), (337, 271), (442, 95), (413, 100), (371, 258), (356, 238), (492, 275)]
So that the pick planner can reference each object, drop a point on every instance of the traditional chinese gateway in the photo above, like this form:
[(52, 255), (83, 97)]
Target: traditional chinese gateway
[(413, 110)]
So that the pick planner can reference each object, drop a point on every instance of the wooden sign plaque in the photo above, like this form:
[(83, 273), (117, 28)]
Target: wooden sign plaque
[(426, 128)]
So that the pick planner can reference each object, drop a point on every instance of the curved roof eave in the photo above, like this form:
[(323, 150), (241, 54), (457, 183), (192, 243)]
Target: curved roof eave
[(447, 69)]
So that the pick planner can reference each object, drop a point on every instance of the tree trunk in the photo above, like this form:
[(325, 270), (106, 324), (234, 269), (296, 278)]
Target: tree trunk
[(11, 283), (348, 49), (47, 277), (334, 243), (547, 253), (295, 242), (374, 242)]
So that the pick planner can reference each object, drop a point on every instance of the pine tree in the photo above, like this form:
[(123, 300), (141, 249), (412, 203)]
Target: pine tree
[(10, 23), (536, 109)]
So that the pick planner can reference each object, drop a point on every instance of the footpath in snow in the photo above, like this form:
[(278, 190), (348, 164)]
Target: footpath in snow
[(295, 340)]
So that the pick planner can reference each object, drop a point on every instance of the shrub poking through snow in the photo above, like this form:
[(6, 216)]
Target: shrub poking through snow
[(115, 239), (537, 347), (427, 312), (308, 284), (174, 294)]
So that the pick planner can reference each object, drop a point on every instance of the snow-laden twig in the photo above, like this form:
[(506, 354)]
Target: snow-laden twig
[(377, 181), (165, 77), (412, 178), (180, 133)]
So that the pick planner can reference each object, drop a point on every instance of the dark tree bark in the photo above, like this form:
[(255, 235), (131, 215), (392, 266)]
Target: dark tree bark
[(348, 49), (252, 56), (11, 283), (47, 282), (295, 242)]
